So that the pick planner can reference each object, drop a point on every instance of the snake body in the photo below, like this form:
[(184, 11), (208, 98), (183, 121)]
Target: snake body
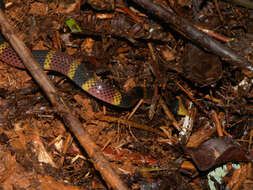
[(73, 69)]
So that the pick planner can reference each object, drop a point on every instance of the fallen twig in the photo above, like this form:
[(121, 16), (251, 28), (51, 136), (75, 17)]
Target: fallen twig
[(130, 123), (74, 125), (170, 115), (195, 35)]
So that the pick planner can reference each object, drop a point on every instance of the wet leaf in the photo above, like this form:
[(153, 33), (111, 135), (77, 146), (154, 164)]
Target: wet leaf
[(201, 67), (217, 151)]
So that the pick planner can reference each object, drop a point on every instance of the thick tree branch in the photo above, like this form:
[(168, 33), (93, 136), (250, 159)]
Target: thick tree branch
[(196, 36), (74, 125)]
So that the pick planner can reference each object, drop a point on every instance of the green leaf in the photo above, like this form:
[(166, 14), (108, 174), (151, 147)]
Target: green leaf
[(73, 26)]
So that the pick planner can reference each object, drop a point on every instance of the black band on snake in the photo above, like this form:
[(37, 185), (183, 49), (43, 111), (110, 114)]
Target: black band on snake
[(73, 69)]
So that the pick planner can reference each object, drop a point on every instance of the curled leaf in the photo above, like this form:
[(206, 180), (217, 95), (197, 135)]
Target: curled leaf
[(217, 151)]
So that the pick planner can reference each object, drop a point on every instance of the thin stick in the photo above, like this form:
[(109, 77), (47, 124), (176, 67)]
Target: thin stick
[(170, 115), (135, 108), (218, 10), (131, 123), (74, 125), (217, 124), (189, 94)]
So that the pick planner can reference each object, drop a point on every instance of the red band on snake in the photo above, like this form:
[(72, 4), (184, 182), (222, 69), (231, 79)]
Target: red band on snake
[(73, 69)]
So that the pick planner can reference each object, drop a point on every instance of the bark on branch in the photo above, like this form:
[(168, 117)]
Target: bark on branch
[(74, 125), (196, 36)]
